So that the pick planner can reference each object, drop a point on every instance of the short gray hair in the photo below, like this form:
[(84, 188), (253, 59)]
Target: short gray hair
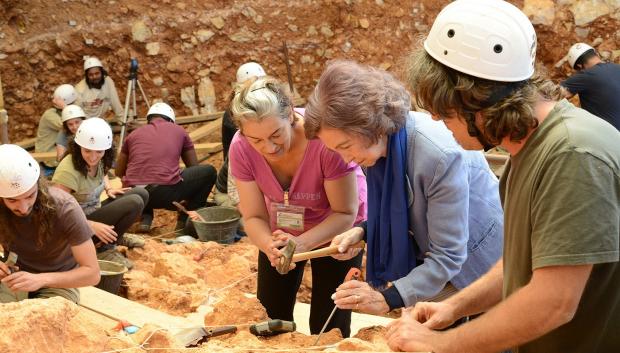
[(259, 99)]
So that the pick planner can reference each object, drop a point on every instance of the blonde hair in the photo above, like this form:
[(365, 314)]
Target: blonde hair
[(444, 91), (260, 98)]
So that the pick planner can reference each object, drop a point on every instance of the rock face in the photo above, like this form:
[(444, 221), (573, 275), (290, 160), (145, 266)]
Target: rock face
[(42, 44)]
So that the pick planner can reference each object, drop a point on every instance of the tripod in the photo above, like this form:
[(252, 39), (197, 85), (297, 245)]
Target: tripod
[(131, 97)]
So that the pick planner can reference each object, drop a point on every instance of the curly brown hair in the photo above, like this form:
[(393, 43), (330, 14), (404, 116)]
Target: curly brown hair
[(357, 99), (43, 214), (445, 91), (80, 164)]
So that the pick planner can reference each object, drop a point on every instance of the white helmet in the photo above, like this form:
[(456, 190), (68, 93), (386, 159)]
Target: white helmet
[(19, 172), (66, 92), (162, 109), (94, 134), (489, 39), (248, 70), (92, 62), (576, 51), (72, 111)]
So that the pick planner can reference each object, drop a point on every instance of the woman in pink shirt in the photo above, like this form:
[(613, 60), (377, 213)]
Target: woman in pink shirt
[(292, 187)]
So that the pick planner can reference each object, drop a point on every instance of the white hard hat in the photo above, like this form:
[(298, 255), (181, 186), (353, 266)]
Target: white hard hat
[(249, 70), (66, 92), (94, 134), (576, 51), (92, 62), (162, 109), (19, 172), (489, 39), (72, 111)]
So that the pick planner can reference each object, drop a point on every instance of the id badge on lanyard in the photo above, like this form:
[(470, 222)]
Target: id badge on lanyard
[(287, 216)]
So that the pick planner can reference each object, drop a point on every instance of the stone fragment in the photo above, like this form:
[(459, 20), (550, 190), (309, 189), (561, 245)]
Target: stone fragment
[(311, 31), (188, 97), (293, 28), (540, 11), (242, 36), (326, 31), (582, 33), (140, 32), (206, 96), (158, 81), (204, 35), (88, 41), (586, 11), (72, 23), (364, 23), (218, 22), (152, 48)]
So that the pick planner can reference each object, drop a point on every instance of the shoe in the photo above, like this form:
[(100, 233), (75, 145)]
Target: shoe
[(113, 255), (145, 223), (131, 241)]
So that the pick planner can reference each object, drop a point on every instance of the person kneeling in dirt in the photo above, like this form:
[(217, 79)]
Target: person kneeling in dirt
[(47, 230), (292, 188), (83, 174), (150, 158)]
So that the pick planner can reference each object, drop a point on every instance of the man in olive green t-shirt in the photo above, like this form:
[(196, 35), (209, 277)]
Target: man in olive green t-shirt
[(557, 287)]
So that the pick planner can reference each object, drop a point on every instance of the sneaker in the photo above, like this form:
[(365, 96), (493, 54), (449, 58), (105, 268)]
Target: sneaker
[(145, 223), (113, 255), (131, 241)]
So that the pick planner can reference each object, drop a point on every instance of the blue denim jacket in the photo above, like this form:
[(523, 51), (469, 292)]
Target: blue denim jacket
[(455, 215)]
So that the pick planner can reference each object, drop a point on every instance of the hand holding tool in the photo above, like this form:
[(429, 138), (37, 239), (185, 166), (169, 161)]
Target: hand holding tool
[(11, 260), (289, 256), (184, 210), (353, 274)]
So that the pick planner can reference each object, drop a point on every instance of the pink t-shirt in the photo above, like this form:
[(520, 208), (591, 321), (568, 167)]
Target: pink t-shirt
[(307, 188), (153, 152)]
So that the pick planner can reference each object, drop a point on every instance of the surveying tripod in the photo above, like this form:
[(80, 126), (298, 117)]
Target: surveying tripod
[(131, 97)]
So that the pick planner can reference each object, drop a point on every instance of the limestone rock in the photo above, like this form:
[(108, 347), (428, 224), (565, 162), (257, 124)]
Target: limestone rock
[(540, 11), (236, 304), (364, 23), (293, 28), (311, 31), (140, 32), (204, 35), (158, 81), (586, 11), (178, 63), (152, 48), (326, 31), (206, 96), (242, 36), (582, 33), (218, 22), (188, 97)]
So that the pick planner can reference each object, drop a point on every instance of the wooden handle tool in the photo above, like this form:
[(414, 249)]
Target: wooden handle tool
[(330, 250)]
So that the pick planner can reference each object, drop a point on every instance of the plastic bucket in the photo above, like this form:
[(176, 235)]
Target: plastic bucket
[(220, 224), (111, 276)]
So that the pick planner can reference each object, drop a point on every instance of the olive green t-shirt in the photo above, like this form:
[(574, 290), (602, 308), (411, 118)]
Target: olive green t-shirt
[(86, 189), (561, 198), (50, 125)]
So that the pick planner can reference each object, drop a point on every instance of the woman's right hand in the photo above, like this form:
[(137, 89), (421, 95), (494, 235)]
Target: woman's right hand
[(104, 232), (344, 242)]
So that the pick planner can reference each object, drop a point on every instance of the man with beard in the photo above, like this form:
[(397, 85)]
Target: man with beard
[(47, 230), (97, 91)]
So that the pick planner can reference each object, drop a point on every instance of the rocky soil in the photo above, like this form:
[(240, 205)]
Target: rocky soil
[(189, 50)]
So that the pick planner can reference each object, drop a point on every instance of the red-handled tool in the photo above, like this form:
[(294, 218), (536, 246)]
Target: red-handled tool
[(353, 274)]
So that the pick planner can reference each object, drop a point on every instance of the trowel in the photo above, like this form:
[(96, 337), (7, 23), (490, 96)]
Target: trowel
[(289, 256), (194, 335)]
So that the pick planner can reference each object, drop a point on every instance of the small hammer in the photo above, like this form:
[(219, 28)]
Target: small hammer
[(289, 256)]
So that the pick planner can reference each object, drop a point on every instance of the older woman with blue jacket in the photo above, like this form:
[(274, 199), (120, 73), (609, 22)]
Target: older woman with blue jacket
[(434, 214)]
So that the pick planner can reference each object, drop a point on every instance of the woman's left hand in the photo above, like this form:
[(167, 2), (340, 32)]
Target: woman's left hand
[(359, 296), (112, 193)]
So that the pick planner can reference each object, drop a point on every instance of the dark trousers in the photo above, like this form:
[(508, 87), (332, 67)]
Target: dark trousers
[(120, 212), (278, 292), (194, 189)]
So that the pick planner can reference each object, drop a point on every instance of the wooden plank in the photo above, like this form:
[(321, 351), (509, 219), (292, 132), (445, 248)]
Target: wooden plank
[(198, 118), (113, 306), (27, 143), (211, 147), (44, 156), (206, 130)]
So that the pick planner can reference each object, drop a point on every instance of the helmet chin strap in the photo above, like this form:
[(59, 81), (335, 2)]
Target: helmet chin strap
[(473, 131)]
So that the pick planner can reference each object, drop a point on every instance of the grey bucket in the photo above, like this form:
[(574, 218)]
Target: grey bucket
[(111, 276), (220, 226)]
